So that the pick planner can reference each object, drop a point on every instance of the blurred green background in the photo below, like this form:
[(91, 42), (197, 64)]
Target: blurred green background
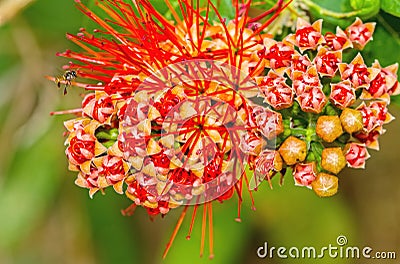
[(45, 218)]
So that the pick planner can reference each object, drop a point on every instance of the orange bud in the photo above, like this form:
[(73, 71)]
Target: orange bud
[(351, 120), (333, 160), (325, 184), (293, 150), (329, 128)]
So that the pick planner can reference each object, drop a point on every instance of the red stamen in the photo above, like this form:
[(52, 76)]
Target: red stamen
[(210, 231), (203, 229), (269, 21), (268, 12), (176, 229), (192, 221), (238, 187), (65, 112), (129, 211), (244, 175), (173, 12), (228, 36)]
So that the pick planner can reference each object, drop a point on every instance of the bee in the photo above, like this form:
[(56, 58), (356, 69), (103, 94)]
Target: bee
[(67, 79)]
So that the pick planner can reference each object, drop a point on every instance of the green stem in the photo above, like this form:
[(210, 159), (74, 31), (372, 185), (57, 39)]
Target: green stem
[(108, 144), (325, 12), (111, 134), (310, 133)]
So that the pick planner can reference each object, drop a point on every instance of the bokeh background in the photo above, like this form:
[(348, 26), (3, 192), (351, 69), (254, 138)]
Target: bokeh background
[(45, 218)]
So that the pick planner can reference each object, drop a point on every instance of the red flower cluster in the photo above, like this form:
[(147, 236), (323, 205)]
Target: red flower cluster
[(180, 109)]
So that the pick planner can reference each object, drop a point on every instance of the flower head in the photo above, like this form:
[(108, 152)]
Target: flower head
[(305, 174), (357, 72), (307, 36), (338, 41), (177, 110), (342, 94), (360, 33), (356, 155)]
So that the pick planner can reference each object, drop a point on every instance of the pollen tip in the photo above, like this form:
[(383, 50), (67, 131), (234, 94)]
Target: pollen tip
[(187, 237), (211, 256), (237, 219), (253, 208), (51, 78)]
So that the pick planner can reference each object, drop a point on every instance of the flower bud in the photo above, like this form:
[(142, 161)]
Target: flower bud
[(351, 120), (359, 33), (342, 94), (333, 160), (267, 121), (276, 92), (312, 99), (250, 143), (304, 174), (326, 62), (308, 36), (293, 150), (356, 155), (325, 184), (329, 128)]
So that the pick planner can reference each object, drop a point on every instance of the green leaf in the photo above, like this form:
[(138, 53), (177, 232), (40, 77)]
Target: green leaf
[(385, 44), (32, 182), (326, 10), (51, 10), (391, 7), (396, 100), (343, 12), (226, 9), (366, 8), (114, 235)]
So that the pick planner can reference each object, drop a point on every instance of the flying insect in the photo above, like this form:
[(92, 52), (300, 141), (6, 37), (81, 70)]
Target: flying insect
[(67, 79)]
